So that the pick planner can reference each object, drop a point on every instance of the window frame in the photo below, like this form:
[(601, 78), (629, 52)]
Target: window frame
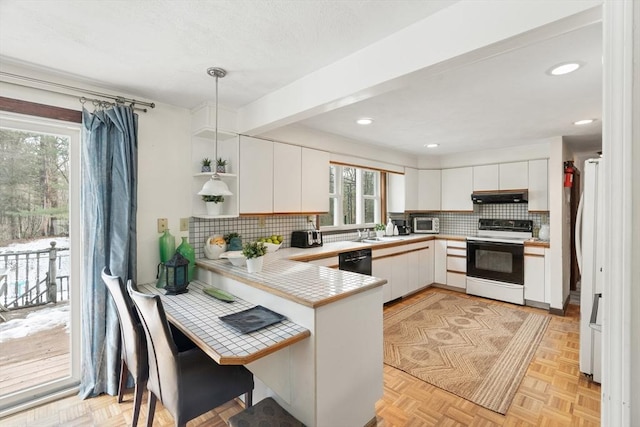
[(337, 198)]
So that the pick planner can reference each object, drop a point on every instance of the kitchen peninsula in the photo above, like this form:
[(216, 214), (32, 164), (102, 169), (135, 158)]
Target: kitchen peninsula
[(333, 377)]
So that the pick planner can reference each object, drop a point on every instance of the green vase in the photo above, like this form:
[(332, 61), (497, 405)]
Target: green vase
[(186, 250), (167, 246)]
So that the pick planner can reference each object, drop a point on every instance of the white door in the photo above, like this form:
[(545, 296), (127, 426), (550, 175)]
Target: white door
[(40, 197)]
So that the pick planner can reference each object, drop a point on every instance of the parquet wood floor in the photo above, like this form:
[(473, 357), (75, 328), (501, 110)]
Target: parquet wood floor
[(552, 393)]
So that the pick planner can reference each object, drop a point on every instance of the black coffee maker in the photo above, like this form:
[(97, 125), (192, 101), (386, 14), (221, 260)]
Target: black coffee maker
[(403, 227)]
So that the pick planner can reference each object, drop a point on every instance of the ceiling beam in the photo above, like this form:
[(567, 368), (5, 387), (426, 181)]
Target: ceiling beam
[(463, 33)]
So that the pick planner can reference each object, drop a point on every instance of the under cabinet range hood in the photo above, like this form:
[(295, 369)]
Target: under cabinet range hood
[(500, 196)]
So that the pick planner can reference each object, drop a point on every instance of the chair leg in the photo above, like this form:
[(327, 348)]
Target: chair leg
[(124, 373), (152, 409), (137, 402), (248, 399)]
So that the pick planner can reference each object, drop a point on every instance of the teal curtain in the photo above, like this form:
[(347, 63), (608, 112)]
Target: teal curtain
[(109, 204)]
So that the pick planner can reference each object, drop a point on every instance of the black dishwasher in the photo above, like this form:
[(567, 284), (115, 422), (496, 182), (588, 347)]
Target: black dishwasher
[(356, 261)]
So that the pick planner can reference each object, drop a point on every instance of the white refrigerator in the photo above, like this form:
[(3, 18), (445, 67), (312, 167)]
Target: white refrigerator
[(589, 253)]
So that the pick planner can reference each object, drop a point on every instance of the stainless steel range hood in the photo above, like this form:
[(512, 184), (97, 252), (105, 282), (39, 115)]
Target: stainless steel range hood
[(500, 196)]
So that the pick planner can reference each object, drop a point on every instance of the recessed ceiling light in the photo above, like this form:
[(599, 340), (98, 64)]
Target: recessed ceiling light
[(566, 68), (431, 145), (364, 121), (584, 122)]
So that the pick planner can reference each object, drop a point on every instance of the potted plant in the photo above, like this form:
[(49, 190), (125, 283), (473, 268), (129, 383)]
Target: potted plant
[(221, 165), (213, 204), (206, 165), (380, 228), (254, 252)]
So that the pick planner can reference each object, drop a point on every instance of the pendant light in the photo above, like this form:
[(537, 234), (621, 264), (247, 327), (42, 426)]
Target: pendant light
[(215, 186)]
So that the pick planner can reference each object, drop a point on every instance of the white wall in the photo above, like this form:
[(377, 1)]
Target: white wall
[(164, 159), (535, 150)]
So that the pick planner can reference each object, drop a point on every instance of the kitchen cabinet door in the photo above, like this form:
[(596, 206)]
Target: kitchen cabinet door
[(395, 193), (287, 169), (457, 186), (538, 185), (411, 189), (381, 268), (429, 188), (314, 181), (416, 271), (428, 259), (514, 176), (440, 261), (534, 274), (485, 178), (399, 275), (256, 175)]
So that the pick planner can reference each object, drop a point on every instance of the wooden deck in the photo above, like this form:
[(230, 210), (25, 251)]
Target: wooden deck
[(552, 393), (38, 358)]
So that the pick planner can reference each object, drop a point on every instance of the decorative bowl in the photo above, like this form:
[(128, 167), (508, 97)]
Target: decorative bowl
[(272, 247), (235, 257)]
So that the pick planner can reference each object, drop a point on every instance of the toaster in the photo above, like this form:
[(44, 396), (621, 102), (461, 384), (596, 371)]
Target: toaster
[(306, 239)]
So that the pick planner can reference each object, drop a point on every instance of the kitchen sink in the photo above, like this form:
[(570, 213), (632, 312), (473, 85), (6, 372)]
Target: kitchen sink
[(382, 239)]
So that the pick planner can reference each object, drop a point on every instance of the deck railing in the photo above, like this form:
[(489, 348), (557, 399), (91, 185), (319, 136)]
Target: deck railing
[(30, 278)]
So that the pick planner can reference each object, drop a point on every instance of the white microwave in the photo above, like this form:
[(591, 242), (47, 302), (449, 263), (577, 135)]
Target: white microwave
[(426, 225)]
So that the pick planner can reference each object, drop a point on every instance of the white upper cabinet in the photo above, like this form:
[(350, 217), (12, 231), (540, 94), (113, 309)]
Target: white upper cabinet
[(314, 180), (538, 185), (256, 175), (411, 188), (429, 188), (287, 187), (514, 176), (457, 186), (486, 177), (395, 192)]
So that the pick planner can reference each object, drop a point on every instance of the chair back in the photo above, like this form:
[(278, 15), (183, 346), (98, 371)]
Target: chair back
[(133, 341), (163, 353)]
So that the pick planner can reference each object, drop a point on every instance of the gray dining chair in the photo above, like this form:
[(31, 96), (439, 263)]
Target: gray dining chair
[(189, 383), (133, 355)]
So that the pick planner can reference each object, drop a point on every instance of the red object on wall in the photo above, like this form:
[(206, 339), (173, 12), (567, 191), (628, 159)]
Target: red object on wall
[(568, 174)]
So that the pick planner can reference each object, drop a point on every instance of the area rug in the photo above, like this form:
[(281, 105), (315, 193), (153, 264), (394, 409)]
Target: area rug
[(476, 350)]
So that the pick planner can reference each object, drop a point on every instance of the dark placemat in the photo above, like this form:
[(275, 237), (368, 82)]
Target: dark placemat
[(252, 319)]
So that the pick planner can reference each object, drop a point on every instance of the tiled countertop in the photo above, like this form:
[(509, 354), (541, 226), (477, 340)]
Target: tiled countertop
[(197, 315), (303, 283)]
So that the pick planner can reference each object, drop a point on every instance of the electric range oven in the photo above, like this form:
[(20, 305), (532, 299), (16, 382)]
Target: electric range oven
[(495, 259)]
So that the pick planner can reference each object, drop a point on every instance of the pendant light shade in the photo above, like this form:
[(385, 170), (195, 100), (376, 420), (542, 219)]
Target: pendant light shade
[(215, 186)]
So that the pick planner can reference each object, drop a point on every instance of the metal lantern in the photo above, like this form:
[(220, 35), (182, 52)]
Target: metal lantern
[(176, 274)]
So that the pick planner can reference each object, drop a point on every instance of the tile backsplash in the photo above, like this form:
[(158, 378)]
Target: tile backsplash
[(249, 228), (466, 224), (453, 223)]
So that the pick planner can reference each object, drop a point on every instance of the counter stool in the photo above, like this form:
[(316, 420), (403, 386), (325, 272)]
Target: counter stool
[(266, 413)]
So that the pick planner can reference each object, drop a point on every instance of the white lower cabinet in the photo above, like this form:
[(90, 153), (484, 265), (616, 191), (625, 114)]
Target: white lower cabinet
[(382, 268), (406, 272), (534, 274), (440, 262), (457, 264)]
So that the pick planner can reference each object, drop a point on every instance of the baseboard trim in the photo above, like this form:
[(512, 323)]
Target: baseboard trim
[(560, 311), (450, 288)]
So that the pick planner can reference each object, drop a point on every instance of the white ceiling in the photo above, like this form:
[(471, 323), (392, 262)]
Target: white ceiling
[(159, 50)]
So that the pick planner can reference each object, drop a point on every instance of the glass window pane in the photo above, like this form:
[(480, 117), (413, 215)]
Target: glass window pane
[(332, 179), (369, 183), (369, 211), (329, 218), (349, 195)]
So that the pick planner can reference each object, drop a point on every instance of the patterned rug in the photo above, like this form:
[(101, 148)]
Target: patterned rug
[(476, 350)]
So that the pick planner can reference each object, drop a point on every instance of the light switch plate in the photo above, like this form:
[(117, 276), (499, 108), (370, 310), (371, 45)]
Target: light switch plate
[(163, 224), (184, 224)]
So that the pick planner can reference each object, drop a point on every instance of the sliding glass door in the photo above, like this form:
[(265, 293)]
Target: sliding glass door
[(39, 259)]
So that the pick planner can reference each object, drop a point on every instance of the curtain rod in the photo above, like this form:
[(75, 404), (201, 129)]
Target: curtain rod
[(117, 98)]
